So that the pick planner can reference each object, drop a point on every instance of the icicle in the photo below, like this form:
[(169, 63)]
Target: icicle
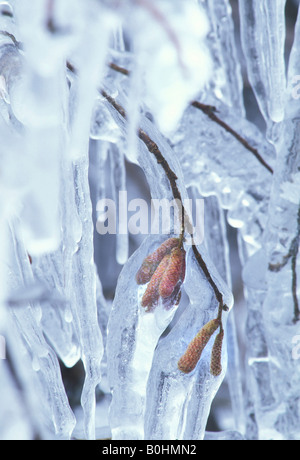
[(277, 278), (227, 80), (263, 38), (90, 69), (98, 172), (30, 350), (133, 108), (260, 394), (178, 404), (132, 332), (57, 318), (55, 271), (103, 127), (85, 300), (118, 181), (281, 304)]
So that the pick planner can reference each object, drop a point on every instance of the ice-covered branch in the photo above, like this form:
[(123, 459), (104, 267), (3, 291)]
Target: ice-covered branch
[(154, 150), (210, 111)]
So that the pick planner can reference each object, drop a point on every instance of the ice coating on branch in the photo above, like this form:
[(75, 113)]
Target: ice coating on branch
[(281, 301), (134, 334), (226, 81), (226, 168), (132, 337)]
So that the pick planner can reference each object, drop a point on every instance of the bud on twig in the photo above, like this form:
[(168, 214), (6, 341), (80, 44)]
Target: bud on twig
[(151, 262), (216, 354), (189, 360)]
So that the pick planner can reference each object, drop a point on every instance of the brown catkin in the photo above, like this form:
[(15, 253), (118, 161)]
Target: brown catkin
[(151, 262), (173, 273), (216, 355), (151, 295), (189, 360)]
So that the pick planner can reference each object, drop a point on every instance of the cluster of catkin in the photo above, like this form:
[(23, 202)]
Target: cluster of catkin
[(164, 270), (189, 360)]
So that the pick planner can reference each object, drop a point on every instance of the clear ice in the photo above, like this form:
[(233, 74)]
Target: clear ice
[(98, 101)]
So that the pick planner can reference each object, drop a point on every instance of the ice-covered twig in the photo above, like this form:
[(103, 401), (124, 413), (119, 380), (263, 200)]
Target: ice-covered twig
[(119, 69), (210, 111), (154, 149), (18, 44)]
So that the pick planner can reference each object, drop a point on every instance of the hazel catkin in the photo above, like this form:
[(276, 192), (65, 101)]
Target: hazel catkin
[(173, 273), (216, 355), (151, 295), (190, 358), (152, 261)]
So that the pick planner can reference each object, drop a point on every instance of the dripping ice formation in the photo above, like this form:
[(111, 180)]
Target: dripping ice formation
[(97, 98)]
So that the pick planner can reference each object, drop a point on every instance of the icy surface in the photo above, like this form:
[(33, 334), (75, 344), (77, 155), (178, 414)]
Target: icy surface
[(102, 104), (263, 35)]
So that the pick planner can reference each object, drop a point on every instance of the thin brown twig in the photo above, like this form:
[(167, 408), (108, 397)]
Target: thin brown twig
[(119, 69)]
